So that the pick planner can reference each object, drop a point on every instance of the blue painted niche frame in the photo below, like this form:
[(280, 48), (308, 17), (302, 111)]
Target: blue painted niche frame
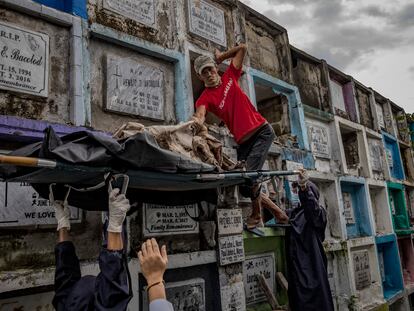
[(363, 218), (182, 108), (391, 144), (75, 7), (392, 280)]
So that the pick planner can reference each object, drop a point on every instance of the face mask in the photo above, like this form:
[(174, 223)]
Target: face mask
[(214, 83)]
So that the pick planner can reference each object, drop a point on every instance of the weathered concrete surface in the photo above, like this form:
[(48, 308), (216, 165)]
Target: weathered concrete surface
[(228, 8), (311, 83), (34, 248), (365, 113), (164, 33), (108, 121), (350, 143), (268, 53), (55, 107)]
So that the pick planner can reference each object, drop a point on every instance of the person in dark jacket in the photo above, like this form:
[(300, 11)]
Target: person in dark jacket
[(306, 260), (111, 289)]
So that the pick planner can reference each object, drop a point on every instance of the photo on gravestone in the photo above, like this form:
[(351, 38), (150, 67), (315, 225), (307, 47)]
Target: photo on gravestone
[(361, 269), (21, 205), (348, 208), (161, 220), (230, 221), (253, 266), (144, 12), (233, 297), (194, 286), (24, 60), (231, 249), (207, 21), (134, 88), (188, 295), (319, 140)]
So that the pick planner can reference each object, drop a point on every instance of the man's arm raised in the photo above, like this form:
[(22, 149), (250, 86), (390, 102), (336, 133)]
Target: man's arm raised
[(237, 53)]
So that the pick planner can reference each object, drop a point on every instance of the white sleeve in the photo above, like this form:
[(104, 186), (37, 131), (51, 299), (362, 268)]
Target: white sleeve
[(160, 305)]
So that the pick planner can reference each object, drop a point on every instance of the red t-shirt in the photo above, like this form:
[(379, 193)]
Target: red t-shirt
[(231, 104)]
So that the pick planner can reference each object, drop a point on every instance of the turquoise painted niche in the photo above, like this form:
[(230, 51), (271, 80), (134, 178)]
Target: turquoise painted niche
[(296, 115), (390, 266), (393, 156), (356, 211), (398, 207)]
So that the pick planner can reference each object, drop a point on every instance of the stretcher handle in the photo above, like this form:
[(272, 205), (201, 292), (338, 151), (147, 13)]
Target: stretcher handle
[(26, 161), (125, 182)]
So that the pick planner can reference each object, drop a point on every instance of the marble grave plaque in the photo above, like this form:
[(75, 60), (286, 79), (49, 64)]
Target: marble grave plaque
[(184, 295), (375, 152), (24, 60), (362, 269), (142, 11), (231, 249), (20, 205), (319, 140), (233, 297), (252, 267), (230, 221), (165, 220), (207, 21), (134, 88), (380, 116), (348, 208)]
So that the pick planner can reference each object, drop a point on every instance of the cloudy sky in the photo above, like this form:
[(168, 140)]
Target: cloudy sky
[(371, 40)]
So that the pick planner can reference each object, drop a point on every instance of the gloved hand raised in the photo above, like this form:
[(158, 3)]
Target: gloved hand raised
[(118, 207), (62, 213)]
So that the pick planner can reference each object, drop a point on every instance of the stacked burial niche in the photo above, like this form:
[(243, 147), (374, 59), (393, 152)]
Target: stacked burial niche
[(342, 96)]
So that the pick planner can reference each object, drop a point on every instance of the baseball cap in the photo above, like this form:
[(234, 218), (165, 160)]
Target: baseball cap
[(202, 62)]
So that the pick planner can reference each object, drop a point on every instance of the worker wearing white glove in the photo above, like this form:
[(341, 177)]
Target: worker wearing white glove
[(62, 213), (118, 207)]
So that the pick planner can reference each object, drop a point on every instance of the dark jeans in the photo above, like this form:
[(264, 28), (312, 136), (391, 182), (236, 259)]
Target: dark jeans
[(110, 290), (254, 152)]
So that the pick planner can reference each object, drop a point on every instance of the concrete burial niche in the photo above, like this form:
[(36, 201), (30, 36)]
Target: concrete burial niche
[(363, 96), (409, 199), (352, 147), (342, 96), (384, 115), (329, 198), (193, 287), (310, 76), (407, 157), (268, 45), (399, 122), (268, 250), (390, 266), (398, 205), (366, 283), (338, 275), (75, 7), (393, 156), (376, 151), (322, 141), (401, 304), (406, 251), (357, 213), (379, 199)]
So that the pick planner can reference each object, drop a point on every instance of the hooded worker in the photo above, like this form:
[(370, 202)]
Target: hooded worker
[(306, 260), (111, 289), (223, 97)]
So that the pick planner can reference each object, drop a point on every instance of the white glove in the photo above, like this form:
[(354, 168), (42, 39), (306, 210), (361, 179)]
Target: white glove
[(62, 214), (118, 207)]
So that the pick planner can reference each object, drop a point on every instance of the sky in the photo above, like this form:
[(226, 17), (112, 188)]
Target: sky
[(371, 40)]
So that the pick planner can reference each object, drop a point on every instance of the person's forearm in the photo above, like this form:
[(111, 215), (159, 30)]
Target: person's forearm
[(63, 235), (115, 242), (231, 52), (156, 292)]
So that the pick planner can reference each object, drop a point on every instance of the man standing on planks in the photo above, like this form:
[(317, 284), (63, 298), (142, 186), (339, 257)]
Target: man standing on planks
[(224, 98)]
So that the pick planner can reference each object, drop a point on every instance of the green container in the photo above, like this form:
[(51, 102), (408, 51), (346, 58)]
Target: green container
[(272, 242), (398, 205)]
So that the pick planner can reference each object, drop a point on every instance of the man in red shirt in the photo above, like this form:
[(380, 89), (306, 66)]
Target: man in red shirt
[(224, 98)]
